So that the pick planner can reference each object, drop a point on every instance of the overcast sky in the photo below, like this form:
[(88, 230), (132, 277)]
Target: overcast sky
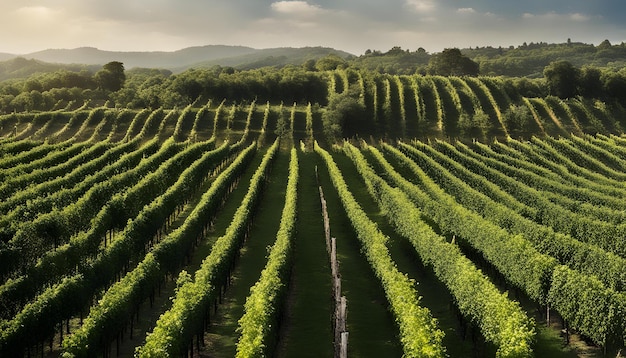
[(350, 25)]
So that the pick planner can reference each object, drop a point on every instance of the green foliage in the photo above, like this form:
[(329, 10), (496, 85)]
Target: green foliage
[(501, 320), (345, 116), (476, 126), (262, 308), (186, 317), (517, 117), (501, 248), (395, 61), (451, 62), (588, 306), (330, 63), (419, 334), (111, 77), (562, 78)]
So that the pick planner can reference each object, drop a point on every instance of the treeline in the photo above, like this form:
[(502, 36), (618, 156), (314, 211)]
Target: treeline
[(60, 89), (153, 89), (529, 60), (526, 60)]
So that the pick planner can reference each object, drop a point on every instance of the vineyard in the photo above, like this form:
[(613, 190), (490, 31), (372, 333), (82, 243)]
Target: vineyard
[(199, 231)]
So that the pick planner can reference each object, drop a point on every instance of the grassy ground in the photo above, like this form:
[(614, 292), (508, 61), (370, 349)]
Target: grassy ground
[(149, 315), (221, 337), (549, 342), (306, 329), (371, 327), (434, 295)]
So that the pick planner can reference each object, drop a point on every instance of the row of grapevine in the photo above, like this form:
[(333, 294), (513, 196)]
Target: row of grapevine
[(95, 116), (547, 157), (496, 245), (500, 320), (605, 148), (560, 193), (87, 246), (70, 129), (15, 210), (120, 303), (119, 210), (564, 113), (478, 107), (30, 165), (552, 178), (187, 317), (99, 272), (580, 227), (557, 162), (54, 262), (482, 91), (586, 258), (585, 159), (136, 125), (419, 334), (17, 180), (56, 227), (201, 116), (601, 206), (23, 156), (262, 308), (536, 274)]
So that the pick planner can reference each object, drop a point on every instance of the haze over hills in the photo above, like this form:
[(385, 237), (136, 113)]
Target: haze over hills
[(200, 56), (526, 60)]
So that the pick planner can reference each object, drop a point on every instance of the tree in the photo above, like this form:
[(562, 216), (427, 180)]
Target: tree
[(451, 62), (344, 116), (111, 77), (615, 86), (329, 63), (606, 44), (590, 82), (309, 65), (562, 78)]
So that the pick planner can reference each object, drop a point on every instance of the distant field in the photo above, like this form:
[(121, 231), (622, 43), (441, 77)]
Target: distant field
[(463, 248)]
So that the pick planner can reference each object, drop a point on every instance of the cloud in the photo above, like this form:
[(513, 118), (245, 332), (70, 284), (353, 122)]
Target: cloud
[(466, 10), (296, 8), (352, 25), (421, 6), (553, 16), (36, 11), (579, 17)]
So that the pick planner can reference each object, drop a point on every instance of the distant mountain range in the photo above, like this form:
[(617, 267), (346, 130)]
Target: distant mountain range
[(200, 56)]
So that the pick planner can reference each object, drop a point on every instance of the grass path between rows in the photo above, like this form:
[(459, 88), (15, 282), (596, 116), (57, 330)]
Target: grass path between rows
[(434, 295), (162, 302), (371, 326), (306, 328), (222, 337)]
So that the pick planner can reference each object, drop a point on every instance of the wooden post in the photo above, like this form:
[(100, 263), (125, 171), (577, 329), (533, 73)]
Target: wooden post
[(343, 313), (548, 316), (343, 353), (340, 302), (333, 258)]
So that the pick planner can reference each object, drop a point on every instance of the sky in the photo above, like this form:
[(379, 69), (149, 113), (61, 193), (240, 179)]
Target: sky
[(350, 25)]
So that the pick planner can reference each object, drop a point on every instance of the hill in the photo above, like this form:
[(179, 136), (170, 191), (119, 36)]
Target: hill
[(270, 57), (526, 60), (178, 61), (157, 59), (529, 60), (6, 56), (20, 67)]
